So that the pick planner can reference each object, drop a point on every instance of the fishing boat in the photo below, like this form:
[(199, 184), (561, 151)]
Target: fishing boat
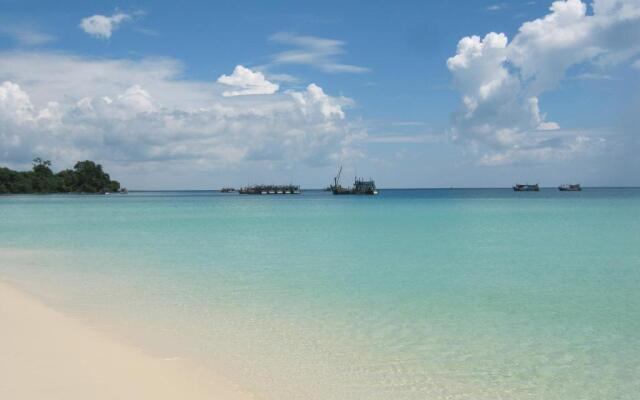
[(570, 187), (360, 186), (526, 188), (270, 189)]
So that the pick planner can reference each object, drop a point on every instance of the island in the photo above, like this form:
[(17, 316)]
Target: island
[(85, 177)]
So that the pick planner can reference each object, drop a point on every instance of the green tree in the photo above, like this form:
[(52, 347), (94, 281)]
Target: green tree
[(43, 179), (90, 177), (85, 177)]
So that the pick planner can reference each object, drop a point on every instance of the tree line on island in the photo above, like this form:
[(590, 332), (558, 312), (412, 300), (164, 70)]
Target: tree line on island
[(85, 177)]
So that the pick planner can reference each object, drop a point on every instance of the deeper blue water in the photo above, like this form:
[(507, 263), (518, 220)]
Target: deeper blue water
[(412, 294)]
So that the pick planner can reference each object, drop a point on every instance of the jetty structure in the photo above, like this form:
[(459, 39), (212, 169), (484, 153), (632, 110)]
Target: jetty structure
[(526, 188), (270, 189), (227, 190), (570, 187), (360, 186)]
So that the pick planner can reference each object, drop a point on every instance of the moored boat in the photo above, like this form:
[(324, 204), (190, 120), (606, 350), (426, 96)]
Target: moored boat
[(569, 187), (360, 186), (526, 188), (270, 189)]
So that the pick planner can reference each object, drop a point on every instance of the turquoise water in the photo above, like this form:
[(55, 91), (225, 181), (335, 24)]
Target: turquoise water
[(412, 294)]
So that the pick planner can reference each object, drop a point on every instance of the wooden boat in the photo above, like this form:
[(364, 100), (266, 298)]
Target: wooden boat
[(526, 188), (360, 186), (570, 187), (270, 189)]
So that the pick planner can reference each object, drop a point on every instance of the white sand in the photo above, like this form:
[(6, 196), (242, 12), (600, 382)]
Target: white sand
[(47, 355)]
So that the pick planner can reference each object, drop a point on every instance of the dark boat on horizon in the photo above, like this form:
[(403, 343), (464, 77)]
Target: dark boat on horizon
[(570, 187), (270, 189), (526, 188)]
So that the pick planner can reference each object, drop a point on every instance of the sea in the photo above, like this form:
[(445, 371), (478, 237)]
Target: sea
[(410, 294)]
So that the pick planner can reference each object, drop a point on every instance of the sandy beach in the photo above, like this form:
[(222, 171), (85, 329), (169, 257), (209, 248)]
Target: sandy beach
[(45, 354)]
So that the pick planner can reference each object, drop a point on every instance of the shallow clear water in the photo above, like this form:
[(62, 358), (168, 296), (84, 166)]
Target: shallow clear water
[(412, 294)]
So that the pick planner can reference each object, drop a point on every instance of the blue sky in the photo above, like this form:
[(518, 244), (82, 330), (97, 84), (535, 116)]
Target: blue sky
[(544, 92)]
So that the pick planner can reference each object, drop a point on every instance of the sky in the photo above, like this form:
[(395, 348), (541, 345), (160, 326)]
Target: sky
[(201, 94)]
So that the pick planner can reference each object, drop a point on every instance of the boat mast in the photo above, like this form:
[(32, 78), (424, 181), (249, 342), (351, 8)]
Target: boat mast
[(336, 180)]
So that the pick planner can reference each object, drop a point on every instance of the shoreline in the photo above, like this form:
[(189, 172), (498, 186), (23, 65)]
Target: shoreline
[(46, 354)]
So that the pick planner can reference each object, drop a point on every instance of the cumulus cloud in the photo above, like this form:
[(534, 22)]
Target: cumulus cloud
[(142, 112), (246, 82), (14, 103), (102, 26), (314, 51), (314, 100), (500, 81)]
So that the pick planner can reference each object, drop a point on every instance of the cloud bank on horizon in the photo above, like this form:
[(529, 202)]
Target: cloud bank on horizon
[(122, 110), (141, 112)]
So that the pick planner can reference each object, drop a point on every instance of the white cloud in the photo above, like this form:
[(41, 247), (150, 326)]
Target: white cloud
[(45, 75), (14, 103), (540, 150), (408, 123), (26, 35), (314, 51), (247, 82), (101, 26), (636, 64), (500, 81), (401, 138), (548, 126), (496, 7), (137, 100), (593, 76), (127, 112), (283, 78)]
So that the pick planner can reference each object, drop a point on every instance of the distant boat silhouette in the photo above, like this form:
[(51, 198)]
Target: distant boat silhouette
[(526, 188), (568, 187)]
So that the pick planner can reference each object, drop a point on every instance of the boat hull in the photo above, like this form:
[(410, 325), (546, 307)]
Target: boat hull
[(570, 188), (526, 188), (354, 193)]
